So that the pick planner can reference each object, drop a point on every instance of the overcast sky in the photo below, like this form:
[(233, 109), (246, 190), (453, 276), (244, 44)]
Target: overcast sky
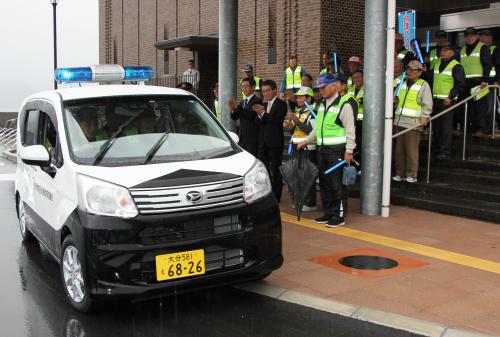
[(26, 48)]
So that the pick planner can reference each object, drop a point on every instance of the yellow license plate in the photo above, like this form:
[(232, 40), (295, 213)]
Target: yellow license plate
[(178, 265)]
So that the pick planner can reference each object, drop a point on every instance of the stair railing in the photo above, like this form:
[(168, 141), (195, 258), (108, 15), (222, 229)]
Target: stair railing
[(447, 110)]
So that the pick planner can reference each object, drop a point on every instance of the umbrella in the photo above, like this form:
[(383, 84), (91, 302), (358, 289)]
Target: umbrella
[(299, 174)]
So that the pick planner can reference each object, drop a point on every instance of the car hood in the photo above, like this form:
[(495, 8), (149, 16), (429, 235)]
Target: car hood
[(133, 176)]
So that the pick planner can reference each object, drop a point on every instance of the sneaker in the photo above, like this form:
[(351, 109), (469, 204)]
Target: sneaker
[(323, 219), (309, 208), (397, 178), (411, 180), (335, 222)]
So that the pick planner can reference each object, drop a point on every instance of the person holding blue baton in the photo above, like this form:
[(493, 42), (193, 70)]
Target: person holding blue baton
[(303, 123), (336, 140)]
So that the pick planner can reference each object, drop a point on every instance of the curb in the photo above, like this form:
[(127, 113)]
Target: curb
[(10, 156), (413, 325)]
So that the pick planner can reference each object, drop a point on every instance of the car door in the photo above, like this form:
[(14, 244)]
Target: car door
[(29, 136), (45, 185)]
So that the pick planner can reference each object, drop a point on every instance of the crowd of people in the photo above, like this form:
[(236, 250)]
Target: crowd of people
[(326, 117)]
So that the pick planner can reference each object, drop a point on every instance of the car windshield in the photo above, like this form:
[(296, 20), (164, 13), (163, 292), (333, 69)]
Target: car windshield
[(131, 130)]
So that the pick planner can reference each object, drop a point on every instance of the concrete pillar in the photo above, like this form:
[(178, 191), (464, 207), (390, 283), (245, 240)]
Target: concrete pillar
[(228, 49), (373, 105)]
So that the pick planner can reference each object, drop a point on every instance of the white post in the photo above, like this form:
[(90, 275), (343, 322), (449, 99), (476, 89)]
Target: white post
[(389, 93)]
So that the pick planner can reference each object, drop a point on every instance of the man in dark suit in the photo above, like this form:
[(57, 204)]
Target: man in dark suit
[(249, 127), (271, 116)]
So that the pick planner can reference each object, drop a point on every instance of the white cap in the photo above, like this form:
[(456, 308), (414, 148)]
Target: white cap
[(354, 59)]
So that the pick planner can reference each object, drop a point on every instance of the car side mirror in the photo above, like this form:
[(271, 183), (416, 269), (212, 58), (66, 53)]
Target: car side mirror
[(234, 137), (36, 155)]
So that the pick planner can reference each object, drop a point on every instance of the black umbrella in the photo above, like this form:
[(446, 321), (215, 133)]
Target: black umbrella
[(299, 174)]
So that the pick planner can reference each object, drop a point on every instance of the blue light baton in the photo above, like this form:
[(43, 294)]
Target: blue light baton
[(336, 166), (416, 46), (290, 146), (403, 75), (428, 42), (309, 108), (335, 61)]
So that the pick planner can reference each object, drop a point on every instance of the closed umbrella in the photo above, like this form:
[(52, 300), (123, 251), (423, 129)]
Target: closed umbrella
[(299, 174)]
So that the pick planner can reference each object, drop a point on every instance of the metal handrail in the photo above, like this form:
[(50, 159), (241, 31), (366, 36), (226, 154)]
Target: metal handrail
[(445, 111)]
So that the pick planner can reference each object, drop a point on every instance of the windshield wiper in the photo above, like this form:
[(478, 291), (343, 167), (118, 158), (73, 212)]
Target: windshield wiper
[(109, 143), (151, 153)]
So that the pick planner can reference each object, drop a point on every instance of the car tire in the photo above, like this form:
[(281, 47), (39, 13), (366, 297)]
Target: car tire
[(23, 223), (73, 278)]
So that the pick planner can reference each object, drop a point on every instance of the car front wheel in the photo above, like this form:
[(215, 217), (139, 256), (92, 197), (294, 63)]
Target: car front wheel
[(75, 285)]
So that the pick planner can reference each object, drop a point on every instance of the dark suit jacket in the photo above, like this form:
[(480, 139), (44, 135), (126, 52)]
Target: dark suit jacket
[(249, 127), (271, 125)]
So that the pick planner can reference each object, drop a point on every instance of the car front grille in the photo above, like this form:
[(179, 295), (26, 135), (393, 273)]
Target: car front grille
[(187, 198), (190, 230)]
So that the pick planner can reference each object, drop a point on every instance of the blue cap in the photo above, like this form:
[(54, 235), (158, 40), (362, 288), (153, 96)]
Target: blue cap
[(325, 79)]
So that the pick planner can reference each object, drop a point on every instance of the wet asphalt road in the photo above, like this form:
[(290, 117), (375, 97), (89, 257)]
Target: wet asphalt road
[(33, 302)]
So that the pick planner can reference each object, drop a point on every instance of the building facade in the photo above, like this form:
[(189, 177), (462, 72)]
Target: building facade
[(165, 34)]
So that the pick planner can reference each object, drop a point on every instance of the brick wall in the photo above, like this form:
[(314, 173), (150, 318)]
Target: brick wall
[(343, 28), (304, 28)]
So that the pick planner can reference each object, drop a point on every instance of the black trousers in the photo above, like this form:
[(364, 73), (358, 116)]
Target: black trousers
[(333, 192), (479, 111), (359, 141), (271, 157), (442, 128)]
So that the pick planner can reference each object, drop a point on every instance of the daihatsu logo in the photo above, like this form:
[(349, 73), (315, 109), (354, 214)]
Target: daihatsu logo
[(194, 196)]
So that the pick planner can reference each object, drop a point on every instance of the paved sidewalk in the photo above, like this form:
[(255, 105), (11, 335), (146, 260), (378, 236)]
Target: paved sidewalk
[(449, 269)]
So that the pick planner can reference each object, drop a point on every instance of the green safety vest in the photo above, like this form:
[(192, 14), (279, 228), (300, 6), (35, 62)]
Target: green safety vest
[(408, 97), (402, 54), (327, 131), (293, 78), (433, 58), (298, 134), (101, 135), (472, 63), (358, 97), (443, 81), (349, 81), (216, 105), (324, 71), (472, 66), (493, 71)]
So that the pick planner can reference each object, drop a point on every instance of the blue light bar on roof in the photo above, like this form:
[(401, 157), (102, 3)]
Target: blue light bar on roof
[(104, 73), (138, 73), (83, 74)]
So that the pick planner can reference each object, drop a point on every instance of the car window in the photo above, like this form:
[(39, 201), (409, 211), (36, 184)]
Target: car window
[(151, 129), (30, 131), (49, 139)]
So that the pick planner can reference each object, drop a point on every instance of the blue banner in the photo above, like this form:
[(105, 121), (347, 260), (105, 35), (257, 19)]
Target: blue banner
[(406, 27)]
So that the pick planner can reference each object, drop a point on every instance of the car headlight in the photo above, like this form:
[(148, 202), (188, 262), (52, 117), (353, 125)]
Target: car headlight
[(257, 183), (102, 198)]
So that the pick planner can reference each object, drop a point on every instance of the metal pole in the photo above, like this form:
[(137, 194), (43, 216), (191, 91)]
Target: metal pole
[(495, 98), (54, 17), (465, 131), (389, 93), (429, 153), (228, 47), (373, 104)]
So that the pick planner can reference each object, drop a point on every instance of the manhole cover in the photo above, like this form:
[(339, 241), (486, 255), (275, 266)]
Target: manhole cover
[(367, 262)]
